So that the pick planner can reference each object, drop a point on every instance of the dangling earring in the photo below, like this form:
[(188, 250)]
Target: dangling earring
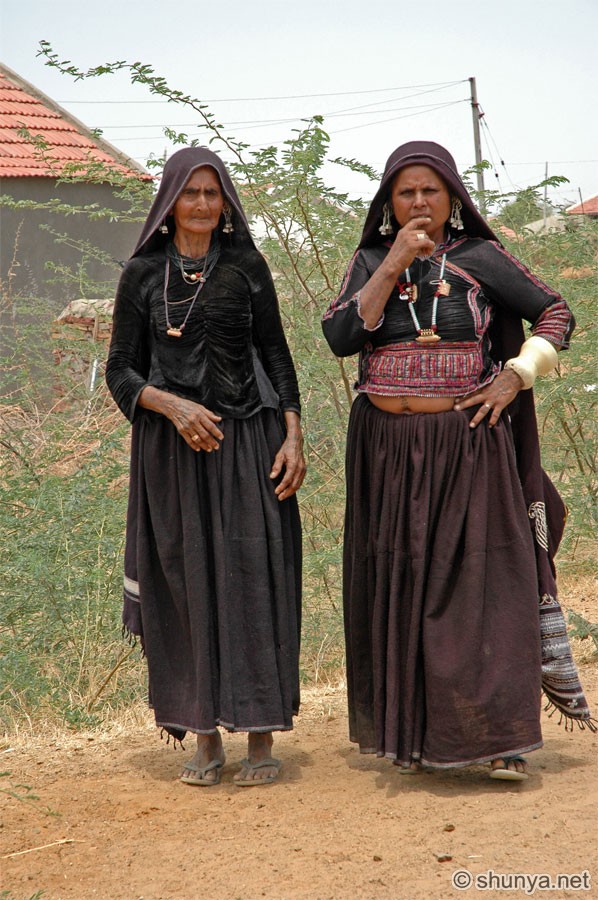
[(455, 218), (386, 227), (227, 228), (163, 229)]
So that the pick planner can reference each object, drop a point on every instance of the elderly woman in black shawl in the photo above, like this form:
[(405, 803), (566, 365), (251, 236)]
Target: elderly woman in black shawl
[(451, 617), (200, 365)]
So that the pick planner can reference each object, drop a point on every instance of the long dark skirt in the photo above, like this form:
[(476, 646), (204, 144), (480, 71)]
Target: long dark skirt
[(213, 577), (440, 591)]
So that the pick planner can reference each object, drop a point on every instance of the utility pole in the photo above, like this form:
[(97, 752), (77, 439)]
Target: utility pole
[(477, 115)]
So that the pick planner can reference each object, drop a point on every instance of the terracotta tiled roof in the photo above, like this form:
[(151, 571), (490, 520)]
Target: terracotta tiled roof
[(65, 139), (502, 229), (589, 207)]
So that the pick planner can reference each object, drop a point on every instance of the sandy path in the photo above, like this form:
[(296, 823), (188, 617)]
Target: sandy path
[(338, 825)]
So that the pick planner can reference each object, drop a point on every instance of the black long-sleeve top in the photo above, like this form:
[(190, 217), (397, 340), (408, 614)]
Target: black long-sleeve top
[(483, 277), (232, 355)]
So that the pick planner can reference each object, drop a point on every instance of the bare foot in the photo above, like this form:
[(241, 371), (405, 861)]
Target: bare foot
[(209, 749), (259, 748)]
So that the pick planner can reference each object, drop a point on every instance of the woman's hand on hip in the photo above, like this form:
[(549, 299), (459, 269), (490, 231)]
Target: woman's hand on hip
[(493, 398), (290, 459)]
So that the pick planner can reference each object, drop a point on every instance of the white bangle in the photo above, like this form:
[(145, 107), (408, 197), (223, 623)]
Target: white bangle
[(536, 357)]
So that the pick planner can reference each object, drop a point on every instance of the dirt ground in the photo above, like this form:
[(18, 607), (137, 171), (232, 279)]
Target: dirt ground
[(337, 825), (113, 822)]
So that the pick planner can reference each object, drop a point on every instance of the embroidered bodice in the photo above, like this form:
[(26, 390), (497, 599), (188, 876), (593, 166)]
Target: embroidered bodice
[(483, 277)]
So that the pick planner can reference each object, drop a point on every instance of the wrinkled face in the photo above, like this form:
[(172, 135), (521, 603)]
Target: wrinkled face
[(419, 191), (199, 206)]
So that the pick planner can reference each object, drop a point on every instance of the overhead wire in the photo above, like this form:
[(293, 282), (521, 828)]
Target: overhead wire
[(439, 84), (365, 109), (352, 110), (259, 123), (490, 137), (491, 158), (396, 118)]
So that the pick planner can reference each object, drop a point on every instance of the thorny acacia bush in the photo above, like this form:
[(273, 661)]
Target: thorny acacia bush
[(566, 400), (65, 462), (62, 503)]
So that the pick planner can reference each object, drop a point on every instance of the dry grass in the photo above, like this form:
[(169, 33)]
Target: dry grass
[(323, 696)]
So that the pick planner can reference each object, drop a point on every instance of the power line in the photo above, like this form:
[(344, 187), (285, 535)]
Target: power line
[(396, 118), (257, 123), (553, 162), (487, 136), (439, 84), (268, 123)]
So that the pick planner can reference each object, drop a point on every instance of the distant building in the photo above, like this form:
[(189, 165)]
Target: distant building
[(548, 225), (29, 170), (585, 208)]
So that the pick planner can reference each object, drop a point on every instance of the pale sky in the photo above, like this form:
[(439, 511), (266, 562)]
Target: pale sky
[(384, 74)]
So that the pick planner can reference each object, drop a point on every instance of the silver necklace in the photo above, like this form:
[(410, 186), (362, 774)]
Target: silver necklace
[(409, 292), (200, 278)]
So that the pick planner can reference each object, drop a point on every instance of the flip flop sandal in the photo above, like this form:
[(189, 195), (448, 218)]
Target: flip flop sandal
[(200, 777), (503, 773), (251, 767)]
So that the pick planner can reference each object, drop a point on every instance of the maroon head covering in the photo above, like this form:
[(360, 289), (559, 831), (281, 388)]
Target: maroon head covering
[(423, 153), (175, 176)]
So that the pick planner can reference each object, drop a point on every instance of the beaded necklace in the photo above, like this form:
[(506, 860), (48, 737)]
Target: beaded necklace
[(191, 277), (409, 292), (208, 262)]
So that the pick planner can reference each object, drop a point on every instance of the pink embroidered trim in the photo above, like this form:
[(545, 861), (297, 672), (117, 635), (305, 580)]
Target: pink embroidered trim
[(533, 278), (553, 324), (481, 322), (336, 306), (442, 370), (357, 298)]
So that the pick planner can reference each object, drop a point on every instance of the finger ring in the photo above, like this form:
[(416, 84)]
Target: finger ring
[(421, 236), (195, 437), (488, 405)]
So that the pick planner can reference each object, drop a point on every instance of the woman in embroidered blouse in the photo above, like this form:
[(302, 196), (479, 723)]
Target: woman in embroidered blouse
[(441, 571), (199, 364)]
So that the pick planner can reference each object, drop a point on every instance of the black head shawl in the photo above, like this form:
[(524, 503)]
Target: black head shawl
[(177, 172), (423, 153)]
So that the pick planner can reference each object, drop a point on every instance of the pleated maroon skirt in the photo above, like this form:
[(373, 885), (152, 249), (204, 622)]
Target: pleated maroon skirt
[(440, 591), (213, 577)]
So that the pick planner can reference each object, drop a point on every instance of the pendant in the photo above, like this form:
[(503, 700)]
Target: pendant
[(409, 293), (427, 336), (174, 332), (443, 289)]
